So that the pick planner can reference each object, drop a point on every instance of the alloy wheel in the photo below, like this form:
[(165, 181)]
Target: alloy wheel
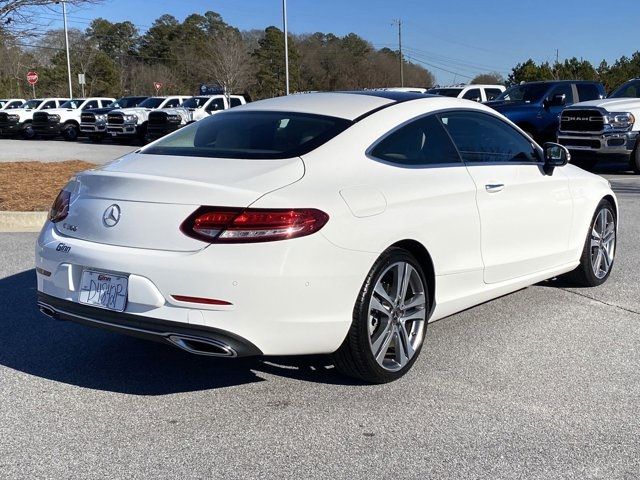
[(603, 243), (397, 316)]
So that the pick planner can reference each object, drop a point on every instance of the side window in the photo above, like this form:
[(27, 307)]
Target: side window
[(587, 91), (91, 104), (49, 104), (473, 94), (421, 142), (481, 137), (105, 102), (215, 105), (235, 102), (492, 93), (174, 102), (563, 89)]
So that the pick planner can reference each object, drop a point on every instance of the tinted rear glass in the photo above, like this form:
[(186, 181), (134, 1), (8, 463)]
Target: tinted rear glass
[(630, 89), (251, 135)]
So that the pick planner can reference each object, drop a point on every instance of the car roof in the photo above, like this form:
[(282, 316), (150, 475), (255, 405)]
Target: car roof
[(348, 105)]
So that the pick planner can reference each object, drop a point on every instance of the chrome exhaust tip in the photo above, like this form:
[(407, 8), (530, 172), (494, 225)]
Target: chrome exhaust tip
[(202, 346)]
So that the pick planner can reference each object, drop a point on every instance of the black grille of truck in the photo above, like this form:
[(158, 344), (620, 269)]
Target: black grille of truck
[(88, 117), (115, 118), (41, 119), (581, 121), (157, 118)]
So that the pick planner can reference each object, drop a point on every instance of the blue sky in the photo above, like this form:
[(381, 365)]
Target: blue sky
[(453, 39)]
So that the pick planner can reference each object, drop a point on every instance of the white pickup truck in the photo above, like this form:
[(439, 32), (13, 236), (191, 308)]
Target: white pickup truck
[(131, 123), (65, 120), (167, 120), (604, 129), (18, 121)]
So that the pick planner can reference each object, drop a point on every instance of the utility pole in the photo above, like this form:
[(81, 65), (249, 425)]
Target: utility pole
[(66, 41), (399, 23), (286, 45)]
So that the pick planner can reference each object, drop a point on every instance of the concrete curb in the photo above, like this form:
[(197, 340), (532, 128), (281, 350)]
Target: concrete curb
[(22, 221)]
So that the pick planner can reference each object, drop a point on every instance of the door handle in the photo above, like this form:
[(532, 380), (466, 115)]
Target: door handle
[(494, 187)]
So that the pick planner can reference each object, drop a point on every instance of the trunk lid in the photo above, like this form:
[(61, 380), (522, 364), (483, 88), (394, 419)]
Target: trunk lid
[(154, 194)]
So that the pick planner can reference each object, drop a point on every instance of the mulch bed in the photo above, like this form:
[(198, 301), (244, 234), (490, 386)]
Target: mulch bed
[(32, 186)]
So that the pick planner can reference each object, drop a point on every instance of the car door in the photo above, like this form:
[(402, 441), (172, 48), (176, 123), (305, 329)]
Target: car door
[(525, 214)]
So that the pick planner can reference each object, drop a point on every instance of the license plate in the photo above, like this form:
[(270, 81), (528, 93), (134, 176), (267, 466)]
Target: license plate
[(103, 290), (113, 134)]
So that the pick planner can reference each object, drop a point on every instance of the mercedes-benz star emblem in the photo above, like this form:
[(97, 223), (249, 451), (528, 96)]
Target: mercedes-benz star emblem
[(111, 215)]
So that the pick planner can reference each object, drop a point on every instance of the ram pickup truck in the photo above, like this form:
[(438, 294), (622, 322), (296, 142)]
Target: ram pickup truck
[(131, 123), (11, 103), (535, 106), (604, 129), (93, 122), (18, 121), (167, 120), (65, 120), (476, 93)]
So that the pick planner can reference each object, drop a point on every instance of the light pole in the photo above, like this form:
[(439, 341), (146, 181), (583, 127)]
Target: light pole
[(66, 42), (399, 23), (286, 45)]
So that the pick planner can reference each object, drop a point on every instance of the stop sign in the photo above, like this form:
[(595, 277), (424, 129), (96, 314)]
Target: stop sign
[(32, 77)]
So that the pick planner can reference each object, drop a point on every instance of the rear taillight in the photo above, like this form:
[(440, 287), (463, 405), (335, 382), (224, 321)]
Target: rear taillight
[(60, 208), (234, 225)]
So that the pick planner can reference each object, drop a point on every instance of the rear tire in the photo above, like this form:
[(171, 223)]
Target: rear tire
[(598, 254), (389, 320)]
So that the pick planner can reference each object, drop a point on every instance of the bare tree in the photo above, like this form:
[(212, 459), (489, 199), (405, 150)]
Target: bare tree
[(226, 61), (20, 17)]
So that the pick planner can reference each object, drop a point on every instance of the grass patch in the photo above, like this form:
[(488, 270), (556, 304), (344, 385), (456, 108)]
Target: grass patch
[(32, 186)]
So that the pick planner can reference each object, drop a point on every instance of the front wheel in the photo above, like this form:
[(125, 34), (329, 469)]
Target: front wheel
[(28, 133), (70, 133), (599, 249), (389, 320)]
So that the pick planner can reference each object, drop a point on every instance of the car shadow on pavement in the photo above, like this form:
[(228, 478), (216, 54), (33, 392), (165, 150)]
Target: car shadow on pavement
[(92, 358)]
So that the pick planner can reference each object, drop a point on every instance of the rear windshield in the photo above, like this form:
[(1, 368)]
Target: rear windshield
[(152, 102), (445, 92), (251, 135)]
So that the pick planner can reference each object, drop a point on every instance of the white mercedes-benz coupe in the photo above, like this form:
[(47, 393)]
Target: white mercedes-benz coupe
[(324, 223)]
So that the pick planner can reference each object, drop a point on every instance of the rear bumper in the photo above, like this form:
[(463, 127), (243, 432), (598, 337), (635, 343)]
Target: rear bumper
[(228, 344), (287, 298), (620, 143)]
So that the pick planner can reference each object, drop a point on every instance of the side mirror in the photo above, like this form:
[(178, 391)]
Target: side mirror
[(558, 100), (555, 155)]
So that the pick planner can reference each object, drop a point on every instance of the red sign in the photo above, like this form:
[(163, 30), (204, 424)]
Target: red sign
[(32, 77), (157, 86)]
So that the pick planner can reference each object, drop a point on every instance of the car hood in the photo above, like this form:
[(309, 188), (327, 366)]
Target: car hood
[(611, 104)]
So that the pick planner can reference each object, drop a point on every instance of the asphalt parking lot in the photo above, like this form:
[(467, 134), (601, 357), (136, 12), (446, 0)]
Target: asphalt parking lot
[(543, 383), (13, 150)]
